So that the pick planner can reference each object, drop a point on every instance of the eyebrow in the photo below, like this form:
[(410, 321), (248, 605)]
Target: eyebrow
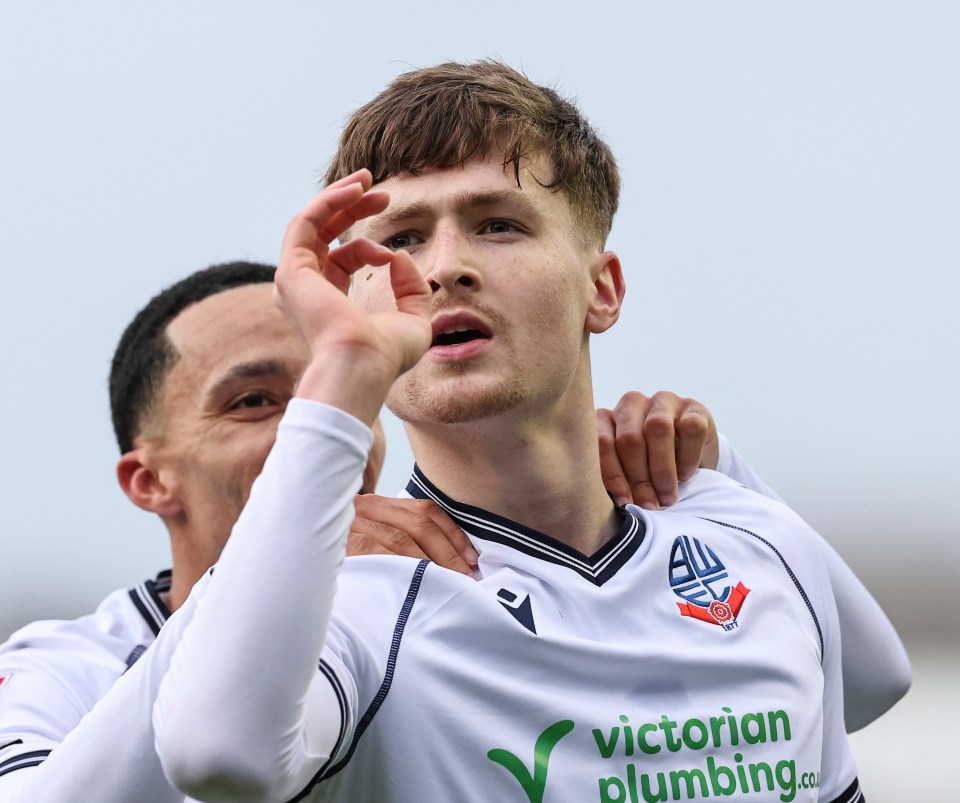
[(255, 369), (463, 202)]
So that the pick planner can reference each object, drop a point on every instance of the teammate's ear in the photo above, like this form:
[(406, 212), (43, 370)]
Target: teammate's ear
[(143, 486), (609, 288)]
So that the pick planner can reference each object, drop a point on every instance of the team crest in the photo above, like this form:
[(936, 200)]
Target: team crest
[(698, 576)]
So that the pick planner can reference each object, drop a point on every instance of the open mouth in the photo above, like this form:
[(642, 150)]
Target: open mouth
[(455, 337), (459, 328)]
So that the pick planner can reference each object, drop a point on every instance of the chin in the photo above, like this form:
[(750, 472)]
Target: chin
[(456, 403)]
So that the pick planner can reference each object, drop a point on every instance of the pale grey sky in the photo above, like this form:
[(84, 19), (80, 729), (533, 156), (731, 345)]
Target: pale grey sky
[(789, 227)]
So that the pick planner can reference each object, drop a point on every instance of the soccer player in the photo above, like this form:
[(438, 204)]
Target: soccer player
[(198, 384), (606, 653)]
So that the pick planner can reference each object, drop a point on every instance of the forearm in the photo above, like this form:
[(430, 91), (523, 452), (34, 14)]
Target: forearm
[(229, 717), (876, 669)]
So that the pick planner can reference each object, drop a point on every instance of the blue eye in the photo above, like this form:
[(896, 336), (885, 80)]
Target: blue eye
[(400, 241)]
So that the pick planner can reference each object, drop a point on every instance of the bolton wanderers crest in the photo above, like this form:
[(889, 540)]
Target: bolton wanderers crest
[(698, 576)]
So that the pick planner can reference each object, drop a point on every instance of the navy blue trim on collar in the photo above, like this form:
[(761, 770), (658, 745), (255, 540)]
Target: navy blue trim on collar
[(24, 760), (597, 568), (147, 600)]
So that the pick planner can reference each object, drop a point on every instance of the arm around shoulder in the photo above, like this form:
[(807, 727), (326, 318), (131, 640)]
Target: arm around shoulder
[(876, 668)]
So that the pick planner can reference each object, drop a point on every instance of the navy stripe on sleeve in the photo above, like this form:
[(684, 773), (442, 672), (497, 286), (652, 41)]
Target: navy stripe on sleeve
[(384, 689)]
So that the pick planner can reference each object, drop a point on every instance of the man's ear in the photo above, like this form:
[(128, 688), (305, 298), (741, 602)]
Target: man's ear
[(609, 289), (141, 482)]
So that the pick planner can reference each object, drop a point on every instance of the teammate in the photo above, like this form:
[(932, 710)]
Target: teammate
[(198, 383), (605, 653)]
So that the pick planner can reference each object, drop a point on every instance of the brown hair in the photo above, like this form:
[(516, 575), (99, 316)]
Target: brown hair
[(444, 116)]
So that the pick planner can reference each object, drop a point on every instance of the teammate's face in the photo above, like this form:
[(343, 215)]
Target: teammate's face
[(515, 289), (238, 362)]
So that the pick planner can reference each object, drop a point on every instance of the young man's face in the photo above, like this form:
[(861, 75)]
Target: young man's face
[(514, 282)]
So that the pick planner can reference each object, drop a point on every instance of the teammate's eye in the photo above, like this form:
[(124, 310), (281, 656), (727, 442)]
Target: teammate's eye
[(400, 242), (251, 401)]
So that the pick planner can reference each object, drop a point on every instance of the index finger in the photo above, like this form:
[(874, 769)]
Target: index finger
[(611, 472), (331, 213)]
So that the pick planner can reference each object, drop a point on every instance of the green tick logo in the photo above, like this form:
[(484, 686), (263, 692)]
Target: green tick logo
[(534, 785)]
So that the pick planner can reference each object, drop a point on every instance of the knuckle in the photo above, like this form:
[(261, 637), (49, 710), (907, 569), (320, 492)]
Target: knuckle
[(630, 437), (693, 422), (358, 543), (397, 538), (658, 425), (664, 398), (631, 399)]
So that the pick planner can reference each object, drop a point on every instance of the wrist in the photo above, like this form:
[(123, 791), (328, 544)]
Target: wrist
[(355, 385)]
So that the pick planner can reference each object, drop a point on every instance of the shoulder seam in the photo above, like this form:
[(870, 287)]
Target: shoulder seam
[(786, 566)]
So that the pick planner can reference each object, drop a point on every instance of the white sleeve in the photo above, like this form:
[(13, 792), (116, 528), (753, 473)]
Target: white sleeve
[(731, 463), (876, 669), (230, 718), (109, 756), (837, 779)]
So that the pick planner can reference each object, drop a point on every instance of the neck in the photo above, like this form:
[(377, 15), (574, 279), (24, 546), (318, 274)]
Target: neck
[(541, 470), (191, 559)]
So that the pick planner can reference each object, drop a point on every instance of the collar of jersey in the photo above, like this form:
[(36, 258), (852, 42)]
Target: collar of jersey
[(147, 600), (597, 568)]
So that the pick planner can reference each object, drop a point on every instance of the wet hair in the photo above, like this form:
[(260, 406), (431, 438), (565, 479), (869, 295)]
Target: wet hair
[(145, 355), (444, 116)]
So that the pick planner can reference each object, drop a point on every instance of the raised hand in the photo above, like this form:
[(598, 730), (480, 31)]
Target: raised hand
[(648, 444), (355, 356)]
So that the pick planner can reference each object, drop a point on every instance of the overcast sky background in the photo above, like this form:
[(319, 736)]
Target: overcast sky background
[(789, 228)]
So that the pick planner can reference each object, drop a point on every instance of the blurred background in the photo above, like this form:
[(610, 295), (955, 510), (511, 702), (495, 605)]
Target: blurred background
[(789, 228)]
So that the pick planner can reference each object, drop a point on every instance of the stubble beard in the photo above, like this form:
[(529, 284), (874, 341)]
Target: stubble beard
[(418, 402)]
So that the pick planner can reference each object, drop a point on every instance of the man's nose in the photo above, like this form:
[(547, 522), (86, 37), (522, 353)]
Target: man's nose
[(451, 264)]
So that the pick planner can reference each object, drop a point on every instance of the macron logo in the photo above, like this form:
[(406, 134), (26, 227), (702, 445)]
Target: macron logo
[(520, 609)]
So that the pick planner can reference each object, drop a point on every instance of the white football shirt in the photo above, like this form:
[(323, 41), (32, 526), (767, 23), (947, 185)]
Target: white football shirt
[(696, 654), (55, 671)]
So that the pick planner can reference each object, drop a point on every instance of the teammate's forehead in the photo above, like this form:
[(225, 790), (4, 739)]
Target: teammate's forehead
[(220, 335), (221, 311)]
